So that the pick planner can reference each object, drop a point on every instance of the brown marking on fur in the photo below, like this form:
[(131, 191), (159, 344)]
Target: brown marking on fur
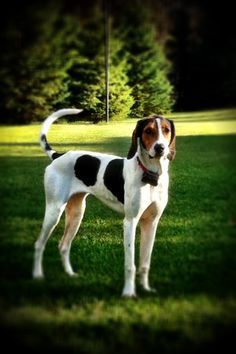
[(149, 214), (147, 130), (149, 134), (166, 129), (172, 144), (74, 213)]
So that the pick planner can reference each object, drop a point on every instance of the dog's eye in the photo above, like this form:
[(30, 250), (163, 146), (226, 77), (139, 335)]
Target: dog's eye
[(165, 130), (148, 131)]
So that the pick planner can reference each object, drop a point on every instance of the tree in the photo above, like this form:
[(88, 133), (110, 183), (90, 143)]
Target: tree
[(121, 99), (45, 73), (35, 81), (55, 69), (87, 74), (59, 62), (149, 68)]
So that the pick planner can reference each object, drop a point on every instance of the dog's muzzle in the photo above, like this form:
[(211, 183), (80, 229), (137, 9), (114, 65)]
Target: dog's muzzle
[(159, 150)]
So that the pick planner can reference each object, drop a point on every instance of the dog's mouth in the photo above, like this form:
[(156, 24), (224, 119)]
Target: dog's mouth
[(156, 156), (157, 151)]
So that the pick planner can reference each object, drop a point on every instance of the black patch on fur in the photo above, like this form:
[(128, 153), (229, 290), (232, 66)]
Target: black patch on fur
[(44, 140), (86, 169), (114, 180), (150, 178), (55, 155)]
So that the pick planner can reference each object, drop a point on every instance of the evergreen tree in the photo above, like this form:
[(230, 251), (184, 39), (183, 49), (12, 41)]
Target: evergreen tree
[(85, 70), (148, 73), (121, 99), (49, 61), (36, 82), (87, 74), (61, 64)]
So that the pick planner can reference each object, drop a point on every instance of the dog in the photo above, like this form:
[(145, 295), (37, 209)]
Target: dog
[(136, 186)]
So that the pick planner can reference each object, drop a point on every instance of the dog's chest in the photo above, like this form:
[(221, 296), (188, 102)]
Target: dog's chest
[(157, 194)]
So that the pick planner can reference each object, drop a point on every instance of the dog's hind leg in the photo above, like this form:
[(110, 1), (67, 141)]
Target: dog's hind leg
[(74, 214), (53, 213)]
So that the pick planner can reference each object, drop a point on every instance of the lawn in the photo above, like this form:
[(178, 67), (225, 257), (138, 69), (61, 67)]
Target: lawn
[(194, 257)]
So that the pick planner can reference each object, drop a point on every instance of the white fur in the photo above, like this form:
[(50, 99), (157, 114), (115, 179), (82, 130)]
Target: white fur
[(143, 204), (52, 118)]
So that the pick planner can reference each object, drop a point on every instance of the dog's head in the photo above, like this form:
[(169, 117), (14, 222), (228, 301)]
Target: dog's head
[(156, 136)]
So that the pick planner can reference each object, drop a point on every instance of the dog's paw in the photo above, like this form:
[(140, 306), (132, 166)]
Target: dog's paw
[(150, 290), (144, 284), (38, 276), (72, 274), (129, 294)]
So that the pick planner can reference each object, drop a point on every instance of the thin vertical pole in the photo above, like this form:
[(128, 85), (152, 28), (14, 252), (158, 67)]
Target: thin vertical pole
[(107, 49)]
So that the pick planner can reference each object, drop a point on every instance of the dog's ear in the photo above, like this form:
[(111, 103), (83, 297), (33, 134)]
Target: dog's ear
[(134, 143), (137, 133), (172, 144)]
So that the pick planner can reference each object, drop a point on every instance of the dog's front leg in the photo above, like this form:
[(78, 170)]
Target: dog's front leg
[(148, 232), (129, 248)]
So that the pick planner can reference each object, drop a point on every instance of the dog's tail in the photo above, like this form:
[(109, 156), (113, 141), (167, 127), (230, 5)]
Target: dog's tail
[(46, 125)]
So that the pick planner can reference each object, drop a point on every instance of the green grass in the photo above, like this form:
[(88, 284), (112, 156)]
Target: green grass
[(193, 264)]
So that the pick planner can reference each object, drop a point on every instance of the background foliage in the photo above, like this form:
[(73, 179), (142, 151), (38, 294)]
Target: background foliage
[(64, 66), (163, 55)]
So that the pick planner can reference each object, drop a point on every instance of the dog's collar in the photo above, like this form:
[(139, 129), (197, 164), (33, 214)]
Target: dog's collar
[(148, 176)]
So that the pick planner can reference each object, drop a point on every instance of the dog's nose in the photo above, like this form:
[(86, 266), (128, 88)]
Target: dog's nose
[(159, 149)]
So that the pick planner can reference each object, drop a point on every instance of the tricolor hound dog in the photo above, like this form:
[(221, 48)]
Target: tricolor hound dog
[(136, 186)]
